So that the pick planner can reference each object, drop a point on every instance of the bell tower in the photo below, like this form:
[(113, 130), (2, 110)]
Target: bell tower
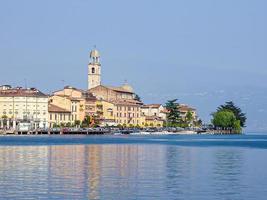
[(94, 70)]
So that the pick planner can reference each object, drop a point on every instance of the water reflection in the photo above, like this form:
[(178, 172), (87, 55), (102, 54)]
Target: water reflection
[(227, 172), (133, 171)]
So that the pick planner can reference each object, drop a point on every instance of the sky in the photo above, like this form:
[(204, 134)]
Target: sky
[(201, 52)]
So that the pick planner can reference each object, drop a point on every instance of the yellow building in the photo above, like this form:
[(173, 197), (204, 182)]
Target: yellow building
[(59, 116), (20, 105), (184, 109), (116, 105), (78, 102), (124, 113), (105, 113), (153, 121)]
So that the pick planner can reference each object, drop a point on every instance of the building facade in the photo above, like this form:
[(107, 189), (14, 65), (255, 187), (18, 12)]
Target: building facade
[(20, 105), (77, 102), (116, 105), (59, 116)]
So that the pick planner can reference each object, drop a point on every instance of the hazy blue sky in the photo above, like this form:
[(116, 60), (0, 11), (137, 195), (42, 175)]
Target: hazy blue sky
[(201, 52)]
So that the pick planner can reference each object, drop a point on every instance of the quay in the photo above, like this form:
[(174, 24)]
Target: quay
[(63, 131)]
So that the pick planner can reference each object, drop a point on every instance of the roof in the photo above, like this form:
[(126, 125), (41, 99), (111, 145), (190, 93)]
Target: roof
[(153, 118), (21, 92), (151, 106), (70, 88), (127, 102), (57, 109), (119, 89), (186, 108), (116, 89)]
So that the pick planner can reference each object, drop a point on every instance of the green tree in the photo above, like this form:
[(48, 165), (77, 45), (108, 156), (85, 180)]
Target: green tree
[(77, 122), (189, 118), (87, 121), (224, 119), (68, 124), (173, 115), (137, 98), (236, 110)]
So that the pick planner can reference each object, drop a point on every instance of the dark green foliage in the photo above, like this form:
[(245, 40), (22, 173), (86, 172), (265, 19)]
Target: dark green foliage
[(236, 110), (77, 122), (137, 97), (173, 115), (86, 122)]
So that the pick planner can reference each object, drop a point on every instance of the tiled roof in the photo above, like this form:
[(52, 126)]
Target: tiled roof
[(57, 109), (154, 118), (21, 92), (119, 89), (151, 106), (126, 102), (186, 108)]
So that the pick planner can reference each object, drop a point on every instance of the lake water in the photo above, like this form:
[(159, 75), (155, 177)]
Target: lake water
[(133, 167)]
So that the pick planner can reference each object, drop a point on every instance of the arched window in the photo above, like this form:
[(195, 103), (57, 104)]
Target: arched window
[(93, 70)]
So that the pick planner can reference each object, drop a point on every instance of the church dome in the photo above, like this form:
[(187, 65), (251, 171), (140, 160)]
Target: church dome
[(94, 54), (127, 87)]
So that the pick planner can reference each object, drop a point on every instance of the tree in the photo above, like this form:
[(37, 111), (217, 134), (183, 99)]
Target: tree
[(189, 118), (77, 122), (137, 98), (236, 110), (87, 121), (173, 115), (224, 119)]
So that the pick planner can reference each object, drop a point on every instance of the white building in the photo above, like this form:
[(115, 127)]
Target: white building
[(18, 105), (154, 110)]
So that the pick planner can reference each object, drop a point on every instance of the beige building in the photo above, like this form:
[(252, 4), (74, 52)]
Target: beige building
[(124, 113), (157, 110), (125, 109), (75, 101), (153, 121), (109, 93), (59, 116), (184, 109), (116, 105), (20, 105)]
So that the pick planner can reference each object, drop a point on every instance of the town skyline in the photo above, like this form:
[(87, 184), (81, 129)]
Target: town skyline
[(203, 59)]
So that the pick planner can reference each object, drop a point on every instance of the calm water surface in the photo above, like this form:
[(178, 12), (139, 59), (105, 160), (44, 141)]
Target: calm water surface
[(133, 167)]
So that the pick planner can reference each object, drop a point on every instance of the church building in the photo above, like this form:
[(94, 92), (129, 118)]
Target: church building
[(125, 109)]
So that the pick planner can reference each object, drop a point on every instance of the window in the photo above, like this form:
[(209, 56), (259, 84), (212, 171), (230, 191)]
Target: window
[(50, 116), (93, 70)]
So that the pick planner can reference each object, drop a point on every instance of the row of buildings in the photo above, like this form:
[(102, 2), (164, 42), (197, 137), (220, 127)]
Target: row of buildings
[(110, 106)]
